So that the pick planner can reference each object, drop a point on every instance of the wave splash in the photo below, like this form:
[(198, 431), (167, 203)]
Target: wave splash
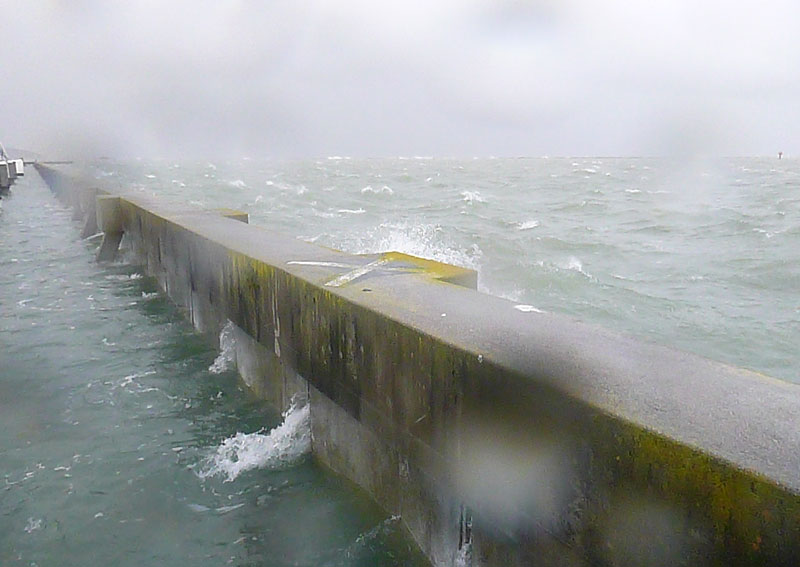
[(418, 239), (282, 446), (227, 350)]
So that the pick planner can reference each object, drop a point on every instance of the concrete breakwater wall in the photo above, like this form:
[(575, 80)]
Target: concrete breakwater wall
[(500, 435)]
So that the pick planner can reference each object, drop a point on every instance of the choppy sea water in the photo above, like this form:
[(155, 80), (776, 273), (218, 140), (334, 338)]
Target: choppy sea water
[(701, 255), (126, 440)]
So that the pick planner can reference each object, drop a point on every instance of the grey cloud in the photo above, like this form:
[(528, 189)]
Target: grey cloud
[(469, 77)]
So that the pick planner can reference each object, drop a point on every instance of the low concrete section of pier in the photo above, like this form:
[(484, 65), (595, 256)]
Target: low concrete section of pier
[(500, 434), (5, 176), (9, 171)]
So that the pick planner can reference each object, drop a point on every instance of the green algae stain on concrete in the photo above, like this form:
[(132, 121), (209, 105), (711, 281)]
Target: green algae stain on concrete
[(720, 514)]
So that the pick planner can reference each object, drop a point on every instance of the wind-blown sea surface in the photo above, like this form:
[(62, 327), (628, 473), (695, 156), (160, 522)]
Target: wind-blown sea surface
[(700, 255)]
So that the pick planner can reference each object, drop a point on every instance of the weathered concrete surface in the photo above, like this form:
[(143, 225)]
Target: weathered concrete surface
[(530, 438)]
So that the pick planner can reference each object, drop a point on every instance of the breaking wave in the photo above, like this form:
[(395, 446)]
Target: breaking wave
[(281, 447)]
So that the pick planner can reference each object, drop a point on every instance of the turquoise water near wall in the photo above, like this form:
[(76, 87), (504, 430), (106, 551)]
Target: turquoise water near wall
[(124, 441), (702, 255)]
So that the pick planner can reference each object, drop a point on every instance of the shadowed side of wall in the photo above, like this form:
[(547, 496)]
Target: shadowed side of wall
[(501, 437)]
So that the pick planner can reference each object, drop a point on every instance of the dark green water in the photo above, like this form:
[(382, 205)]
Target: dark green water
[(108, 414)]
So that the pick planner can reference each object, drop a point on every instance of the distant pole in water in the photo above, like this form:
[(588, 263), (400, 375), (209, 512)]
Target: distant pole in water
[(780, 155)]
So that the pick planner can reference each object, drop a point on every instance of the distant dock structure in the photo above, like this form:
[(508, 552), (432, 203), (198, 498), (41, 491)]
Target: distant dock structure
[(10, 169)]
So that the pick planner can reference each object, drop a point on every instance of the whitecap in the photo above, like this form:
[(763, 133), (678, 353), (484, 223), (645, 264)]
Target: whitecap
[(238, 183), (472, 197), (386, 190), (359, 211), (527, 225), (130, 379), (281, 447), (574, 264)]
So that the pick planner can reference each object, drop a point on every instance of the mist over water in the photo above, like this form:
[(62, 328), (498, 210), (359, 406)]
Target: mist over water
[(702, 255), (111, 424)]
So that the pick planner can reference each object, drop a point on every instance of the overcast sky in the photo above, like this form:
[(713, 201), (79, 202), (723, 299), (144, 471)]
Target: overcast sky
[(416, 77)]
